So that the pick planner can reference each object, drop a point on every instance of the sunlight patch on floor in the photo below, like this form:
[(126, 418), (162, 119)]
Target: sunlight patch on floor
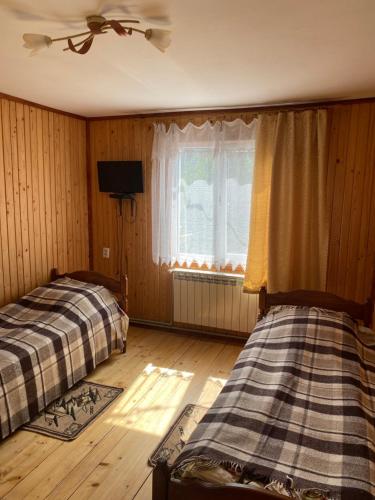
[(163, 391), (166, 372)]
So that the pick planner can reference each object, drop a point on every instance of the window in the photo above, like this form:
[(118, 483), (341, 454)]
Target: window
[(214, 204), (201, 193)]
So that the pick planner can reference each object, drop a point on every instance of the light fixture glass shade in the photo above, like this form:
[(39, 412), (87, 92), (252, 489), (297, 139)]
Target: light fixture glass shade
[(161, 39), (36, 42)]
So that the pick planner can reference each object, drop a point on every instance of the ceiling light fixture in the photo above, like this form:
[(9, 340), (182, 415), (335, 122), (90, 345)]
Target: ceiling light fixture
[(99, 25)]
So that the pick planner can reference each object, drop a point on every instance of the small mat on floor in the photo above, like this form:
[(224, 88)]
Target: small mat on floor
[(174, 441), (68, 416)]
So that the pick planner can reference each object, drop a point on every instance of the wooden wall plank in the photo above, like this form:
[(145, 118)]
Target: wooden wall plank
[(29, 195), (35, 196), (16, 198), (64, 233), (68, 193), (41, 193), (22, 183), (47, 164), (10, 205), (83, 190), (5, 286), (74, 182), (52, 175), (40, 152)]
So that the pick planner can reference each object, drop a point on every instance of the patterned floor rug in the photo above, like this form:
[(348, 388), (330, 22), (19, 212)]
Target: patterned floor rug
[(174, 441), (67, 417)]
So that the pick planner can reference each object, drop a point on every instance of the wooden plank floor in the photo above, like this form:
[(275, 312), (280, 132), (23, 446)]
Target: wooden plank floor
[(161, 373)]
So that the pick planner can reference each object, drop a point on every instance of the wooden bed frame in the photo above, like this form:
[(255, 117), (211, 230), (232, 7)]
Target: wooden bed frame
[(362, 312), (118, 288), (164, 487)]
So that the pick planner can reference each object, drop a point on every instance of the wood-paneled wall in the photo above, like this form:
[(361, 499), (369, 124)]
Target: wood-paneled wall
[(351, 161), (352, 205), (43, 196)]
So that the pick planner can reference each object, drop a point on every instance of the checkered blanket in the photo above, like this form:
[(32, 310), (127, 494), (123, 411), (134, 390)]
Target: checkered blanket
[(49, 340), (299, 403)]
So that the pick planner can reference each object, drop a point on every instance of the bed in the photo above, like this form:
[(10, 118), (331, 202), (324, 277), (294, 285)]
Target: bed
[(296, 416), (53, 337)]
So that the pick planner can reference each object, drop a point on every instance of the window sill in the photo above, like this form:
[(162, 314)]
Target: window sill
[(211, 273)]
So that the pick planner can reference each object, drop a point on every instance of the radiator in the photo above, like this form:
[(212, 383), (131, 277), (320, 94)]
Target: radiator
[(213, 301)]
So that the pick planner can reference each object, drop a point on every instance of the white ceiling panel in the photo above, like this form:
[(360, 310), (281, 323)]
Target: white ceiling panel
[(223, 54)]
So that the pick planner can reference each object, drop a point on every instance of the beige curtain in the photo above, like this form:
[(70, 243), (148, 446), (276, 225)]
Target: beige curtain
[(288, 242)]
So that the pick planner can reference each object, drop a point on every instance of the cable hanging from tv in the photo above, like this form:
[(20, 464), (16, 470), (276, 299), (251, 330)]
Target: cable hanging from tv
[(122, 180)]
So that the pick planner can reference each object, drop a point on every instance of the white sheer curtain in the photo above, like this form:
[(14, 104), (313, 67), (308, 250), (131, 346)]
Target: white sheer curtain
[(201, 190)]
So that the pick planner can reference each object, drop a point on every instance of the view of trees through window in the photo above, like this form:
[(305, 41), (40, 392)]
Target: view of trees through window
[(214, 203)]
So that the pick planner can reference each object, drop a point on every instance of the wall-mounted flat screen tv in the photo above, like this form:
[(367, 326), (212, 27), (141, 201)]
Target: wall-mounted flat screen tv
[(120, 177)]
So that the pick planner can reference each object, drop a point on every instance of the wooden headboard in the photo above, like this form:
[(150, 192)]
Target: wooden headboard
[(118, 288), (311, 298)]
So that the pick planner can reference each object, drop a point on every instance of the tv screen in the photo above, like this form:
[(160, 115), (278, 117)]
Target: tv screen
[(120, 177)]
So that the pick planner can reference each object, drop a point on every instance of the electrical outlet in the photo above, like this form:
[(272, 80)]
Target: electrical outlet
[(106, 253)]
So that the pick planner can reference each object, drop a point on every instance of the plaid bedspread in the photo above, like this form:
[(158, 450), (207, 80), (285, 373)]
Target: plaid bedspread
[(300, 403), (49, 340)]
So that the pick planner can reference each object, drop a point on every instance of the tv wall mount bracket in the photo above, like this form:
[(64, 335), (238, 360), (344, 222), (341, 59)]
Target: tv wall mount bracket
[(124, 196)]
